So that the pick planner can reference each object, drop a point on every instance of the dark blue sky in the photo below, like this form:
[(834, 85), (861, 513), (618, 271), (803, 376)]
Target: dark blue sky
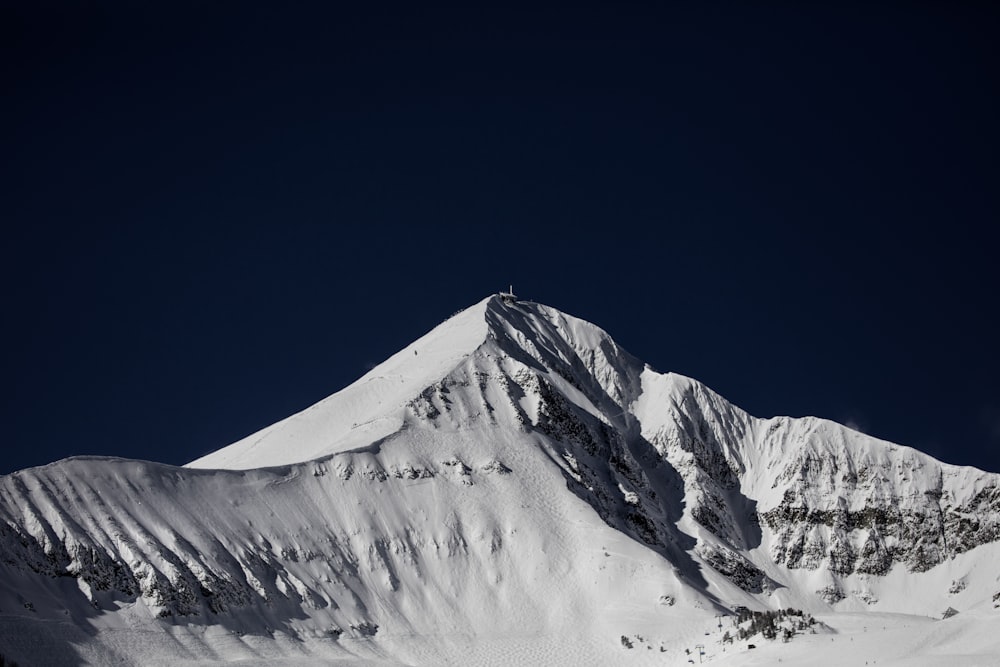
[(218, 213)]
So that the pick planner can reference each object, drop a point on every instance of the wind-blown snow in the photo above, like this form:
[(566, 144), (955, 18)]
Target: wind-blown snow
[(512, 488)]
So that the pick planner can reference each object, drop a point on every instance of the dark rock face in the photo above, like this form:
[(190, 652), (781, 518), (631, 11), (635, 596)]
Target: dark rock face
[(918, 532), (735, 567), (847, 503)]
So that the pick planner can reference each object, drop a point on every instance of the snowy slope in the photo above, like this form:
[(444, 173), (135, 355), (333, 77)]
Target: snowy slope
[(511, 488), (369, 409)]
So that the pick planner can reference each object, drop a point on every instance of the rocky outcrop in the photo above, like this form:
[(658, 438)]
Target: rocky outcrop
[(916, 530)]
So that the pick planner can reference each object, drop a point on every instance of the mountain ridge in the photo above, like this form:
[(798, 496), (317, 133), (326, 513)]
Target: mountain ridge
[(524, 449)]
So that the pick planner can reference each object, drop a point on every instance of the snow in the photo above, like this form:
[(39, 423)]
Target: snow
[(878, 639), (512, 488), (439, 565), (369, 409)]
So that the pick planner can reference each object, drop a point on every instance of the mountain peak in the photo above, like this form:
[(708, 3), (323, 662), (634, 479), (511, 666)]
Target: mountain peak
[(509, 375), (373, 407), (515, 462), (366, 410)]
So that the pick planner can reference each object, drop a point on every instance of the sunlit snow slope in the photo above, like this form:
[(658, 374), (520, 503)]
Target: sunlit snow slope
[(371, 408), (511, 488)]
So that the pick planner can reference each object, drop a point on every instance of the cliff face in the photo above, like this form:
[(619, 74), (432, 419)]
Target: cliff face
[(827, 497)]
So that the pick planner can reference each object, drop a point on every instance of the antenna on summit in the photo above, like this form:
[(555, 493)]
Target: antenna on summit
[(508, 297)]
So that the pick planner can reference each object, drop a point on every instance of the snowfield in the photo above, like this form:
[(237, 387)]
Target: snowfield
[(513, 488)]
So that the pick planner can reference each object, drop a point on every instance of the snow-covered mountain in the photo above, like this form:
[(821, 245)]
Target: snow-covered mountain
[(513, 487)]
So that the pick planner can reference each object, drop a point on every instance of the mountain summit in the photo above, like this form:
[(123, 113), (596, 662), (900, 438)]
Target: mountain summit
[(497, 337), (511, 484)]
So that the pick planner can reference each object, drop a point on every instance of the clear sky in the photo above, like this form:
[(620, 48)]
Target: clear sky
[(216, 214)]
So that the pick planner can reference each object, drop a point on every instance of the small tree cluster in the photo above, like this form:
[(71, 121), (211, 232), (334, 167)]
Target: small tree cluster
[(766, 623)]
